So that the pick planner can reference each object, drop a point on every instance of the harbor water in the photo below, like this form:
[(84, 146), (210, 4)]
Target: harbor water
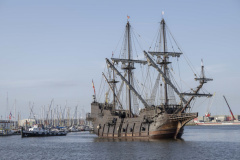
[(198, 142)]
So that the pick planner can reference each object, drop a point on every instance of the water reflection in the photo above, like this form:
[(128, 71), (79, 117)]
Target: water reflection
[(199, 142), (98, 139)]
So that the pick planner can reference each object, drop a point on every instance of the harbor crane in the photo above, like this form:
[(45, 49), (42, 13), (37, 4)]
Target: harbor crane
[(229, 108)]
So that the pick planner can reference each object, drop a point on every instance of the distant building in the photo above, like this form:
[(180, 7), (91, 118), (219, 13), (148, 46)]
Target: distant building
[(29, 122), (216, 118), (6, 124)]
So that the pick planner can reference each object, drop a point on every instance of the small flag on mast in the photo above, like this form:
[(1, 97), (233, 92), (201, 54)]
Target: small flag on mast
[(128, 17), (10, 115), (93, 87)]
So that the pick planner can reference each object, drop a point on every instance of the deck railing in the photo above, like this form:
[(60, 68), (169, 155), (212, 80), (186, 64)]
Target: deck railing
[(183, 116)]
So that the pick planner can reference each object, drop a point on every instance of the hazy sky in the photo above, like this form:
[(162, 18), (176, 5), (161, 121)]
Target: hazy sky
[(53, 49)]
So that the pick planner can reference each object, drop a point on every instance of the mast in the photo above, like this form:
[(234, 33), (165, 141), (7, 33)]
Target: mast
[(7, 107), (128, 66), (129, 69), (165, 72), (114, 92), (51, 118), (112, 88), (127, 83), (202, 80), (15, 114), (164, 60), (44, 120), (166, 79), (18, 120)]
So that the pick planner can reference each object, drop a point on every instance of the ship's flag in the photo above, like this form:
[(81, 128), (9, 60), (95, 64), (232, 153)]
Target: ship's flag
[(10, 115), (128, 17), (93, 87)]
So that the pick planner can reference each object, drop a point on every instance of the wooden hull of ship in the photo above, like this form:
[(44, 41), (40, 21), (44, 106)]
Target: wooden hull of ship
[(164, 132), (149, 124)]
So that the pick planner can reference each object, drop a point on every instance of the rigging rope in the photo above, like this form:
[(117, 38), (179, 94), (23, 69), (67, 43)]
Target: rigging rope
[(137, 42), (140, 37), (179, 73), (156, 35), (99, 96), (187, 60), (119, 42)]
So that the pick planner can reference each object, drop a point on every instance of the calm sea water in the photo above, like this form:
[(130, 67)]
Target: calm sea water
[(199, 142)]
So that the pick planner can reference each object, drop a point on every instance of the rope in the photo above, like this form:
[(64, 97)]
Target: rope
[(156, 35), (145, 42), (137, 42), (99, 96), (179, 73), (144, 82), (201, 103), (187, 60), (118, 43)]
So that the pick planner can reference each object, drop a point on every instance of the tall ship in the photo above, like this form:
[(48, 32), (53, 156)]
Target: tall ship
[(141, 96)]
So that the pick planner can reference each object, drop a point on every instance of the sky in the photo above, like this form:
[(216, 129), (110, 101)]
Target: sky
[(53, 49)]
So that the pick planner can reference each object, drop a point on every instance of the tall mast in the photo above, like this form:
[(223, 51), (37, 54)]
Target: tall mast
[(129, 69), (15, 114), (203, 75), (127, 66), (7, 116), (114, 91), (164, 60)]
